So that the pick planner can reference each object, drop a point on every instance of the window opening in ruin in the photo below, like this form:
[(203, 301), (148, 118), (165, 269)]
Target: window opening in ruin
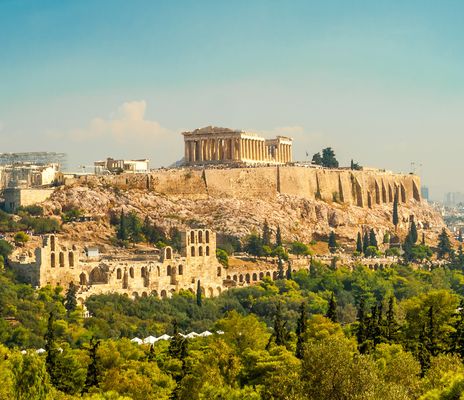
[(168, 253), (71, 259), (118, 273), (52, 243), (192, 237), (181, 269), (192, 251), (219, 271), (168, 270), (200, 237), (131, 272), (207, 236), (207, 250), (200, 251), (52, 260), (61, 259)]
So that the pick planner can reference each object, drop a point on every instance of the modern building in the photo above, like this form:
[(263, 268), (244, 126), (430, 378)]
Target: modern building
[(112, 166), (214, 145)]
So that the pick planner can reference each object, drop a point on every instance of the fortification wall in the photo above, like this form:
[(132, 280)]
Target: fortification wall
[(360, 188)]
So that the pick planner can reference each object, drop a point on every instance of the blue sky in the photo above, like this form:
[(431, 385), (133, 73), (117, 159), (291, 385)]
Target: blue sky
[(381, 82)]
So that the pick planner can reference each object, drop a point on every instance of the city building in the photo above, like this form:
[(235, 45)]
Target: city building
[(112, 166)]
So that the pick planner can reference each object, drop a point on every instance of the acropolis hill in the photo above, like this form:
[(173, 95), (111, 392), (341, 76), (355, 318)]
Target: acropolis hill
[(233, 181)]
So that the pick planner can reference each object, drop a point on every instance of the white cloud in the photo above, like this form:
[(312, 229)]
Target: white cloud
[(124, 126)]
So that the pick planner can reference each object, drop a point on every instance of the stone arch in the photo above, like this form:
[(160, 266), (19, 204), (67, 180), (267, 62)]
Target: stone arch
[(207, 236), (144, 294), (192, 251), (164, 294), (234, 278), (219, 271), (191, 290), (192, 237), (200, 251), (118, 273), (247, 278), (52, 242), (219, 290), (254, 277), (83, 279), (168, 253), (200, 237), (207, 251), (261, 276), (131, 272), (168, 270), (125, 280), (143, 272), (135, 295), (275, 275), (268, 274), (181, 269), (52, 260), (154, 293), (158, 270), (61, 259), (97, 276), (240, 278), (228, 277), (71, 259), (211, 292), (203, 293)]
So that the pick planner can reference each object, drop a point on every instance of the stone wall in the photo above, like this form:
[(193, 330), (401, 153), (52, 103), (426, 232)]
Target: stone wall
[(16, 197), (360, 188)]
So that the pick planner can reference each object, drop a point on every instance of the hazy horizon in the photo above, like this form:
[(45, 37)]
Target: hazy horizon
[(379, 83)]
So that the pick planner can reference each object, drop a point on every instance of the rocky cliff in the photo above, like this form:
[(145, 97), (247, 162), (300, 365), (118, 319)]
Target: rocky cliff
[(305, 202)]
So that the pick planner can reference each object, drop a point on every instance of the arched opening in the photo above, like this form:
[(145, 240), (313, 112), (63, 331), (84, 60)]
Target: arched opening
[(192, 237), (211, 292), (240, 278), (168, 253), (173, 276), (71, 259), (219, 290), (274, 275), (207, 236), (200, 251), (131, 272), (154, 293), (125, 280), (118, 273), (254, 277), (235, 278), (192, 251), (207, 251), (168, 270), (144, 294), (52, 243), (163, 294), (228, 277), (268, 274), (247, 278), (143, 272), (83, 279), (200, 237), (135, 295), (181, 270), (261, 276), (219, 270), (52, 260), (158, 270), (61, 259)]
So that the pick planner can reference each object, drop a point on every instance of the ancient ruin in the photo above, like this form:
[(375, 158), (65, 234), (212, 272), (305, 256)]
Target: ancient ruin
[(213, 145)]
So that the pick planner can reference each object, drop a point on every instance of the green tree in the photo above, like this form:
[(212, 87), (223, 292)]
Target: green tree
[(392, 327), (395, 217), (70, 299), (266, 234), (317, 159), (21, 238), (198, 296), (254, 245), (301, 331), (5, 248), (444, 245), (332, 310), (457, 337), (122, 233), (278, 242), (280, 334), (365, 242), (52, 350), (413, 233), (280, 269), (328, 158), (222, 257), (332, 242), (93, 370), (288, 274), (31, 381), (373, 239), (299, 249)]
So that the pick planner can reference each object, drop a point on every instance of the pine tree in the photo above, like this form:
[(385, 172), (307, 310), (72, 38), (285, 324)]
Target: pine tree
[(373, 239), (395, 217), (92, 379), (122, 233), (280, 330), (288, 273), (444, 244), (278, 237), (413, 233), (176, 343), (332, 310), (51, 349), (70, 299), (199, 298), (431, 333), (332, 242), (359, 243), (300, 331), (365, 242), (266, 234), (280, 269)]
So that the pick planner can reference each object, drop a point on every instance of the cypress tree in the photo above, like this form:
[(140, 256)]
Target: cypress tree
[(278, 237), (361, 330), (300, 331), (359, 243), (122, 233), (391, 328), (176, 343), (413, 233), (266, 234), (92, 378), (423, 353), (280, 330), (280, 269), (52, 351), (395, 217), (70, 298), (288, 273), (332, 310), (332, 242), (199, 298), (365, 242), (373, 239), (431, 333)]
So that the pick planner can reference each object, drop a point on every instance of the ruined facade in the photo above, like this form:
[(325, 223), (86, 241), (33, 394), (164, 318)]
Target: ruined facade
[(212, 145)]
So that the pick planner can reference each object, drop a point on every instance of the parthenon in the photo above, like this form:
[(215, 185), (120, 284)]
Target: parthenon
[(213, 145)]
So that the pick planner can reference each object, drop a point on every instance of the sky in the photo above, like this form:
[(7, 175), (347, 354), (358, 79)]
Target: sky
[(381, 82)]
